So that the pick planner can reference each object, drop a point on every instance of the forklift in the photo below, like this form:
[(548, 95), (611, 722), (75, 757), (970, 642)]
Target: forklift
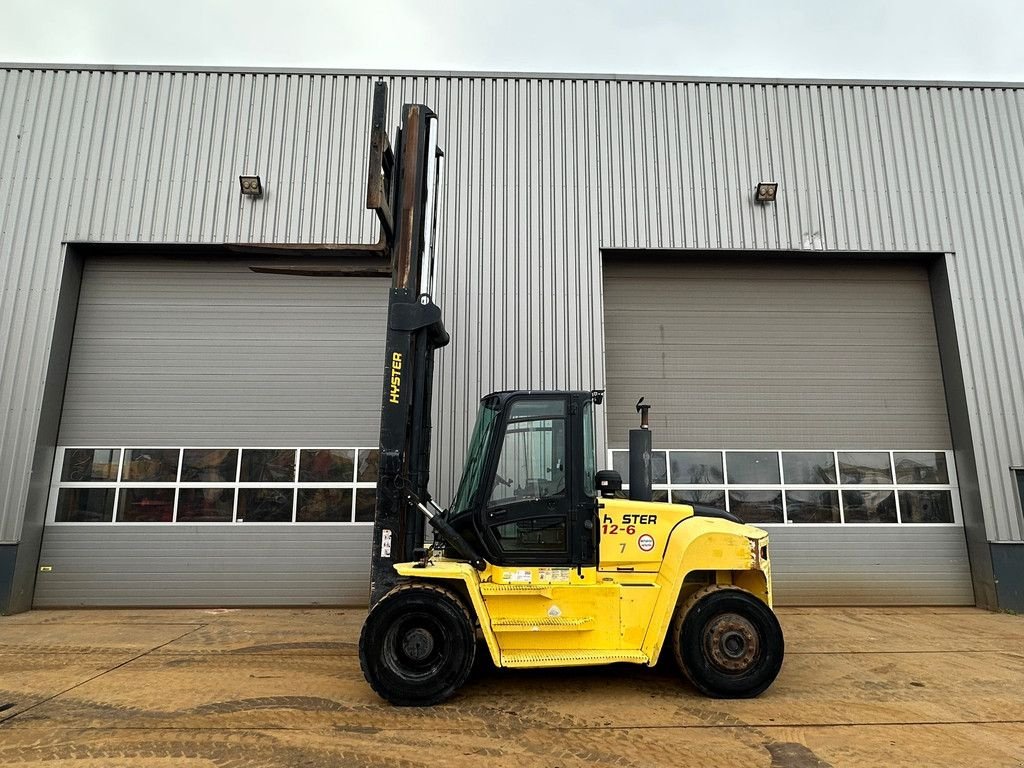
[(539, 558)]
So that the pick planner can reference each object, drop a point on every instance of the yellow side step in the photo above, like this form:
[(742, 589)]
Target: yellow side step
[(541, 624), (541, 590), (574, 658)]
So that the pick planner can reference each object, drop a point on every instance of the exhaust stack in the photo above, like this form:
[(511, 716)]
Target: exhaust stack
[(640, 456)]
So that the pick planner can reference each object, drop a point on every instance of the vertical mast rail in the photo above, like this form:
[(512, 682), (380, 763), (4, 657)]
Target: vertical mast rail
[(437, 208), (414, 333), (429, 214)]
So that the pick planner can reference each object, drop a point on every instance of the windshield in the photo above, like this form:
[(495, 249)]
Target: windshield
[(485, 419)]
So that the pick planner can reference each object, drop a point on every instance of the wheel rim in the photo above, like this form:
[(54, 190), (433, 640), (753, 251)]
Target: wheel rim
[(732, 643), (413, 647)]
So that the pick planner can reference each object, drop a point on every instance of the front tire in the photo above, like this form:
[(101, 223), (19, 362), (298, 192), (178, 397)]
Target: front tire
[(727, 642), (417, 645)]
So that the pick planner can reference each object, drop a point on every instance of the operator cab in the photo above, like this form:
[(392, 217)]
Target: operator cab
[(528, 494)]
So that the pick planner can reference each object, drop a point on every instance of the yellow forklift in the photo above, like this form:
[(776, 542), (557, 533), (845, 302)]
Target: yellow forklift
[(538, 556)]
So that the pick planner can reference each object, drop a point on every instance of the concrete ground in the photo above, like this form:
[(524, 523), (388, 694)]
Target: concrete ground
[(148, 688)]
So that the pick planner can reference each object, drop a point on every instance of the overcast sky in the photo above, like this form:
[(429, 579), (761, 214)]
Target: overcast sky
[(919, 39)]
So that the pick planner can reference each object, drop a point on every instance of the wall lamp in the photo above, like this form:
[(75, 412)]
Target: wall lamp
[(251, 186), (766, 191)]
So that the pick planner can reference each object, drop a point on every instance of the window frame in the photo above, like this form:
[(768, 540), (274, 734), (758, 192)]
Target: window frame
[(952, 486), (56, 484)]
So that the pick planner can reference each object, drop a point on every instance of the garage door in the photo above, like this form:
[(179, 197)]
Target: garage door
[(217, 442), (806, 397)]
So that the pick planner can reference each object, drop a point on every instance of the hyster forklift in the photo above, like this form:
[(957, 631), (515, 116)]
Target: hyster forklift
[(538, 556)]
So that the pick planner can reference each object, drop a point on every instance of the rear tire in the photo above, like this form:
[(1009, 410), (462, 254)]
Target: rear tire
[(417, 645), (727, 642)]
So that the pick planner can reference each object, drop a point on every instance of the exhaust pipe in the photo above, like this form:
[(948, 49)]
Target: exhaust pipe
[(640, 481)]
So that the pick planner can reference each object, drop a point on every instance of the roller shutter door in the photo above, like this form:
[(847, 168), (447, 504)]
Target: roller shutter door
[(758, 365), (204, 363)]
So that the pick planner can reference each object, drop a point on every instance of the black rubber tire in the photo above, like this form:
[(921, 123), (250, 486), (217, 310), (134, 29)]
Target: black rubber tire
[(417, 645), (727, 642)]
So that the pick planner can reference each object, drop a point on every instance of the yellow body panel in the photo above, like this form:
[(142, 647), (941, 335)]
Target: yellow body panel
[(651, 556)]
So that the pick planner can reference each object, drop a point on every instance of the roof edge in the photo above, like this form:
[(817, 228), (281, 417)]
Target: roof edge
[(501, 75)]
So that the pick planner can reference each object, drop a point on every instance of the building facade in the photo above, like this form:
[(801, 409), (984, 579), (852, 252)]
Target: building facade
[(843, 365)]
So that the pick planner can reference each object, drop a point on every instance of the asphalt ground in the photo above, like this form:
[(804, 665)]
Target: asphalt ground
[(282, 687)]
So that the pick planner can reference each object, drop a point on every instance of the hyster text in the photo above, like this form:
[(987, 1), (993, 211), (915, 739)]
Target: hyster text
[(396, 377)]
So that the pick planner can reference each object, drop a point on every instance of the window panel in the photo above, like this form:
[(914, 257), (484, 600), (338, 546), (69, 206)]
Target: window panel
[(926, 507), (659, 495), (812, 506), (704, 498), (324, 505), (369, 462), (145, 505), (366, 504), (209, 465), (85, 505), (864, 467), (531, 464), (543, 534), (801, 471), (150, 465), (206, 486), (90, 464), (206, 505), (659, 468), (869, 506), (696, 467), (756, 506), (268, 465), (808, 467), (620, 463), (326, 465), (265, 505), (921, 468), (752, 467)]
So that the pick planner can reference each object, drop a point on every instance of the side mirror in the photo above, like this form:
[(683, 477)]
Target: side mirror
[(609, 482)]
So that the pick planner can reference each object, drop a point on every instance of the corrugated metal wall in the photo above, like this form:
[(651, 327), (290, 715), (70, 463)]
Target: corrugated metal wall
[(543, 173)]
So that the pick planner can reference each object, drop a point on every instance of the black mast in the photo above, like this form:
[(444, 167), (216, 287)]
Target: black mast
[(414, 331)]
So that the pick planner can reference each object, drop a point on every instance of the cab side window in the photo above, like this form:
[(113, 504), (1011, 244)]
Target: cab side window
[(532, 462), (534, 535)]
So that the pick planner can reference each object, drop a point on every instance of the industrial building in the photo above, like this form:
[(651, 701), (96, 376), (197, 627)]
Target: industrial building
[(817, 285)]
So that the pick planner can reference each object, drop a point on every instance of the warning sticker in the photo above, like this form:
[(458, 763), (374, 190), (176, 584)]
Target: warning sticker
[(645, 542), (520, 576), (554, 575)]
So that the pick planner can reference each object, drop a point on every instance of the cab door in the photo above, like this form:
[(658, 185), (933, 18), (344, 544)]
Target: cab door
[(526, 514)]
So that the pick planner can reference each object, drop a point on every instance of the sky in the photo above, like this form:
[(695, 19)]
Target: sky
[(887, 39)]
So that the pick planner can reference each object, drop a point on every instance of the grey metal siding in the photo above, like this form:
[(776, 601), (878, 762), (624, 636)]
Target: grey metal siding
[(224, 565), (544, 172), (867, 566), (772, 354), (175, 352)]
